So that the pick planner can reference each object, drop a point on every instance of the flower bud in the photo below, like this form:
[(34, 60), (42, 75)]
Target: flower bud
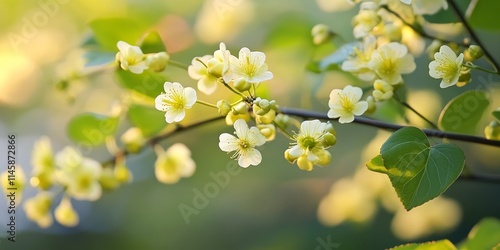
[(464, 79), (231, 118), (241, 84), (65, 214), (492, 131), (122, 173), (215, 67), (267, 118), (240, 109), (329, 140), (158, 61), (223, 107), (108, 180), (282, 120), (289, 157), (324, 158), (330, 129), (304, 163), (321, 34), (133, 139), (268, 131), (473, 53)]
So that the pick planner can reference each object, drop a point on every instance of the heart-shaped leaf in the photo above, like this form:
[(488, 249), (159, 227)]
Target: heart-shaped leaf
[(464, 112), (419, 172)]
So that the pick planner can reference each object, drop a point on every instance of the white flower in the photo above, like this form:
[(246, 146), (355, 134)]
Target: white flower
[(37, 209), (173, 164), (366, 19), (250, 66), (243, 143), (310, 140), (208, 69), (391, 60), (358, 63), (175, 101), (345, 104), (78, 174), (131, 58), (428, 7), (65, 213), (446, 66), (198, 70)]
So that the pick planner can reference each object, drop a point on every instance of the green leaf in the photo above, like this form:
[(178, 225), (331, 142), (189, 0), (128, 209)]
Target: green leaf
[(496, 114), (148, 83), (464, 112), (108, 32), (377, 164), (484, 235), (485, 15), (152, 43), (149, 120), (432, 245), (91, 129), (417, 171)]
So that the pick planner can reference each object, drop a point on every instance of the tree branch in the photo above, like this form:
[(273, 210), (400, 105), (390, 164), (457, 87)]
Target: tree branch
[(429, 132), (391, 126)]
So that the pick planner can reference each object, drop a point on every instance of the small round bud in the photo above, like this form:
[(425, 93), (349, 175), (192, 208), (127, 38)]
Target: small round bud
[(273, 105), (464, 79), (474, 52), (107, 179), (304, 163), (492, 131), (321, 34), (241, 85), (329, 140), (122, 173), (289, 157), (282, 120), (267, 118), (65, 214), (330, 129), (158, 61), (240, 109), (215, 67), (231, 118), (324, 158), (223, 107), (133, 139), (268, 131)]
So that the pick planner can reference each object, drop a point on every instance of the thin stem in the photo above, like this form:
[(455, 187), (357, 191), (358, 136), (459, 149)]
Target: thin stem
[(420, 31), (178, 64), (473, 34), (206, 104), (473, 66), (408, 106)]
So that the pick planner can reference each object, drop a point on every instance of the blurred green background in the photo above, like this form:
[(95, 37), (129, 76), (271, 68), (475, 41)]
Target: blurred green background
[(271, 206)]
